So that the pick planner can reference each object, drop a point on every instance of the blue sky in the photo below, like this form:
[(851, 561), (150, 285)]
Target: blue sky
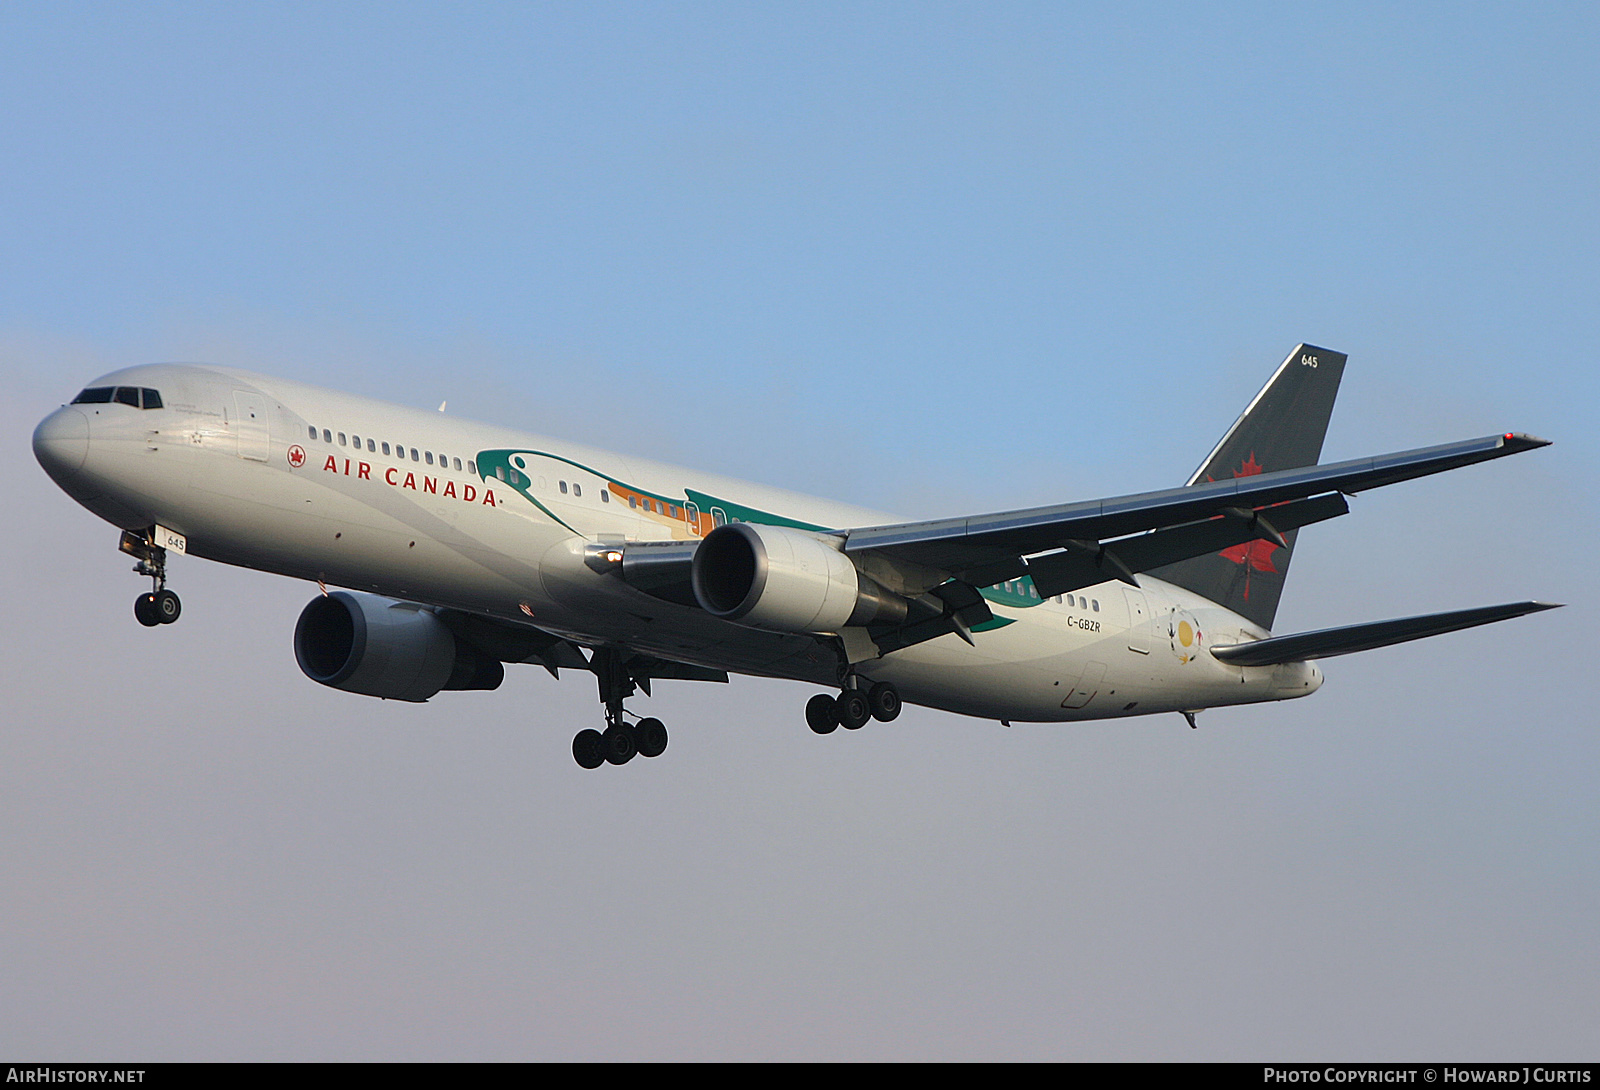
[(927, 258)]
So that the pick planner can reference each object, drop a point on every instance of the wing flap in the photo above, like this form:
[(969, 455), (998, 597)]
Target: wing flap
[(1086, 564), (1328, 642)]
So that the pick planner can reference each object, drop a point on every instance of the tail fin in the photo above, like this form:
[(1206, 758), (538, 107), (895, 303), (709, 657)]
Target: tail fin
[(1282, 428)]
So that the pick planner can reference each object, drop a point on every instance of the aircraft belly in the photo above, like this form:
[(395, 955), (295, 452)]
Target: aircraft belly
[(1020, 672)]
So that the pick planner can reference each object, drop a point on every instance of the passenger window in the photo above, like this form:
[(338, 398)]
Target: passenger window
[(152, 398), (386, 449), (327, 436), (444, 463), (372, 448), (355, 441), (500, 471), (342, 443), (430, 462), (313, 435), (94, 395), (633, 503), (472, 467), (577, 489), (563, 488), (413, 454), (128, 395), (1097, 605), (605, 497), (458, 465), (514, 478)]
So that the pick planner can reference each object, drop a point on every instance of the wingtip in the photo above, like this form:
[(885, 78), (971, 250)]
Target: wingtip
[(1518, 440)]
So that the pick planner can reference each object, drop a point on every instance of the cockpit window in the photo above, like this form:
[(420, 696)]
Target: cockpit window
[(122, 395)]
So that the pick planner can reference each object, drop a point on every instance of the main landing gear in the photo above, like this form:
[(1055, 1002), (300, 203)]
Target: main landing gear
[(853, 707), (160, 605), (620, 741)]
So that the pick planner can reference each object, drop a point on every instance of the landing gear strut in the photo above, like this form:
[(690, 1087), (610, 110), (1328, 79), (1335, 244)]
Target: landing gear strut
[(160, 605), (853, 707), (620, 741)]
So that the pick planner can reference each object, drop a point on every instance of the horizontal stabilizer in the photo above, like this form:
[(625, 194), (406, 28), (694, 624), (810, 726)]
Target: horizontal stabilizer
[(1328, 642)]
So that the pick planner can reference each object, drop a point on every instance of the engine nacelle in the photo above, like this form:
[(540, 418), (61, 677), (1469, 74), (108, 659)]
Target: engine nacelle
[(362, 643), (788, 580)]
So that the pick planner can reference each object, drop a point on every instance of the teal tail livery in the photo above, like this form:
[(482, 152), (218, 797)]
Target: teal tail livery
[(456, 548)]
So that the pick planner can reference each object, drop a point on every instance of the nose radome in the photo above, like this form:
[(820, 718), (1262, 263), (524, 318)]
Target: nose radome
[(61, 442)]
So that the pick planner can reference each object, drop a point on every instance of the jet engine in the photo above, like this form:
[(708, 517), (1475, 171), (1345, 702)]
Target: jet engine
[(788, 580), (362, 643)]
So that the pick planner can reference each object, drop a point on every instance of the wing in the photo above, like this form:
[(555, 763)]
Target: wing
[(1095, 537), (511, 642)]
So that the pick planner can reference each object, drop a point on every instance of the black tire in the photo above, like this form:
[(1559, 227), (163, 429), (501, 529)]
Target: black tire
[(144, 609), (167, 606), (620, 744), (589, 749), (652, 737), (884, 700), (852, 709), (821, 716)]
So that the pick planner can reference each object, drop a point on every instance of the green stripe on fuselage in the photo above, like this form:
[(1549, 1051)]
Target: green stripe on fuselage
[(1015, 593)]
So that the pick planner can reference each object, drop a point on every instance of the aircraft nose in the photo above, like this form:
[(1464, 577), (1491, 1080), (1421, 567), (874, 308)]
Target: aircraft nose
[(61, 442)]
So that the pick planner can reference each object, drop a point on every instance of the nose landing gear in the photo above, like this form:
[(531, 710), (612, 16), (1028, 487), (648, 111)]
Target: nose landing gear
[(160, 605)]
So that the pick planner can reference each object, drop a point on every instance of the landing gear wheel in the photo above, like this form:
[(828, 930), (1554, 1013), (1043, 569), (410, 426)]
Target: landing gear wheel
[(852, 709), (167, 606), (620, 744), (651, 735), (821, 715), (144, 609), (884, 700), (589, 749)]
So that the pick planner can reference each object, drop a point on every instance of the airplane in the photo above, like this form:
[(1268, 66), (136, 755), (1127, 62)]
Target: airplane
[(461, 547)]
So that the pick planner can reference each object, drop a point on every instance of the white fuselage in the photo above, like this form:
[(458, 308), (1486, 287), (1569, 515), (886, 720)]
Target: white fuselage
[(230, 462)]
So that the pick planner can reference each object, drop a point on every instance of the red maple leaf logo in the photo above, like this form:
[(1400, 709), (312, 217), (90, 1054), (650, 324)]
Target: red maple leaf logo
[(1254, 555)]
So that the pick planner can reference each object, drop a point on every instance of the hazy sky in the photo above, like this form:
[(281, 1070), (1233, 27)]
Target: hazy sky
[(934, 259)]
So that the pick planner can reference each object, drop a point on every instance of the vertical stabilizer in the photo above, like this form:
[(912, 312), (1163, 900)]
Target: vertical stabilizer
[(1282, 428)]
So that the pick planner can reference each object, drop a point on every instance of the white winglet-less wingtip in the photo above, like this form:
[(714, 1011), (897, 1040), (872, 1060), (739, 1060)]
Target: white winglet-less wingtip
[(465, 546)]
